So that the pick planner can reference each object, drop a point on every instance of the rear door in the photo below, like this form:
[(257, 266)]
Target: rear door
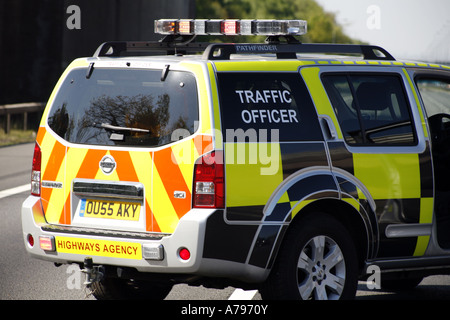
[(386, 150), (122, 130), (272, 131)]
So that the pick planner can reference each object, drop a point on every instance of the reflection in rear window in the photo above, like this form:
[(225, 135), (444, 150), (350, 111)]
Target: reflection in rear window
[(124, 107)]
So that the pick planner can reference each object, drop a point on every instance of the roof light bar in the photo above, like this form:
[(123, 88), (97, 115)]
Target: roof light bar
[(230, 27), (166, 26)]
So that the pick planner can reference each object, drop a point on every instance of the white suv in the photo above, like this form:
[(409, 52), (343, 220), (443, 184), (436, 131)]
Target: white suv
[(280, 166)]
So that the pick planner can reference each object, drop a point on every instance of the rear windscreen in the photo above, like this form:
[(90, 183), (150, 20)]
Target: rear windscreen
[(125, 107)]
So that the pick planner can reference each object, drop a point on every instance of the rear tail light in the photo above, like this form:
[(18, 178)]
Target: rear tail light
[(36, 172), (47, 243), (209, 184)]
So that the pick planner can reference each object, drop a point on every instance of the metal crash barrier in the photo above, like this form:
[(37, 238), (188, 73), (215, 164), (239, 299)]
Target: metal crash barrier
[(25, 108)]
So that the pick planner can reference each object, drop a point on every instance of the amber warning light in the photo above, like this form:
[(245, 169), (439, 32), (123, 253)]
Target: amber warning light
[(230, 27)]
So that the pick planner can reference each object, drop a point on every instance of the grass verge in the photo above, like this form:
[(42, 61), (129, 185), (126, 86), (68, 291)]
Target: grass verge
[(16, 137)]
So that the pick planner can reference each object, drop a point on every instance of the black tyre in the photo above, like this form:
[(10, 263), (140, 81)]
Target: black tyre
[(124, 289), (317, 261)]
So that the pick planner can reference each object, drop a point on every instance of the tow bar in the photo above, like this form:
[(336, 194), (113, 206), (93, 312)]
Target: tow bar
[(93, 273)]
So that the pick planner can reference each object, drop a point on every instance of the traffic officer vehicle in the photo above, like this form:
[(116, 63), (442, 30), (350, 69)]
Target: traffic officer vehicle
[(288, 167)]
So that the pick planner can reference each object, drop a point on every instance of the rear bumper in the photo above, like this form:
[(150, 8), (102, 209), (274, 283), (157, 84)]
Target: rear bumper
[(134, 250), (126, 249)]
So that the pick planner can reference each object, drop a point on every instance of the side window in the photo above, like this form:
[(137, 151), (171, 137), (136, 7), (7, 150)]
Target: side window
[(435, 93), (372, 109), (260, 103)]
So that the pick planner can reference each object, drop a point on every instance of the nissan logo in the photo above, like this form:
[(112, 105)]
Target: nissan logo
[(107, 164)]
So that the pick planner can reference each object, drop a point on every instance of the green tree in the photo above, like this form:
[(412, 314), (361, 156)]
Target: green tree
[(322, 25)]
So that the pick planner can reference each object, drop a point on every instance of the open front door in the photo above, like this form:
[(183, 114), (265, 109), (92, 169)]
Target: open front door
[(435, 92)]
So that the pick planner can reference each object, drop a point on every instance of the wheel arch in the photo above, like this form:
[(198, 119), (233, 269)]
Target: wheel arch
[(320, 190)]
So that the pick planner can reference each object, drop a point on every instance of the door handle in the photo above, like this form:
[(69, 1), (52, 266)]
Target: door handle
[(328, 128)]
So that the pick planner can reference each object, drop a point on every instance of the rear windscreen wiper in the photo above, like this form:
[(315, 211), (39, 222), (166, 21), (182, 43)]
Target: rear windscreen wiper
[(108, 126), (119, 136)]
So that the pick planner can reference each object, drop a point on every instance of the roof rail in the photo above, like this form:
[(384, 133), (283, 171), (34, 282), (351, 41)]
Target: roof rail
[(118, 48), (223, 51)]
